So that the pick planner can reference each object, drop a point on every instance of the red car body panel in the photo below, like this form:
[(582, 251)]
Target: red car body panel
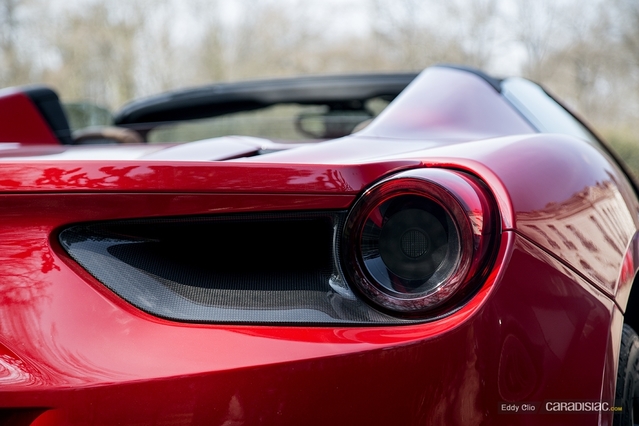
[(544, 326), (78, 344)]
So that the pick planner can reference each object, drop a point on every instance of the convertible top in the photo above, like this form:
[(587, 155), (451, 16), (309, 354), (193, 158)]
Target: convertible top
[(341, 92)]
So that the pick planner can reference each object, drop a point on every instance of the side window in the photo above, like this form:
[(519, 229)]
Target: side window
[(546, 115)]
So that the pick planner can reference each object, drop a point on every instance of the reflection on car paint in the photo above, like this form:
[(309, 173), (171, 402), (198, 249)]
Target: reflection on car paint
[(595, 217)]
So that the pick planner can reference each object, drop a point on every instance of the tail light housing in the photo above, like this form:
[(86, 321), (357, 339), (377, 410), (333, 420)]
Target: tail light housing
[(417, 241)]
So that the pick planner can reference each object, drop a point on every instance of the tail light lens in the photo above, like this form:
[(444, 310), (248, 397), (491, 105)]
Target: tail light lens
[(415, 241)]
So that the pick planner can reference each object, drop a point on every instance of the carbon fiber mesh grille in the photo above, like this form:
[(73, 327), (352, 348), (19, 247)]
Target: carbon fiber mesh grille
[(242, 268)]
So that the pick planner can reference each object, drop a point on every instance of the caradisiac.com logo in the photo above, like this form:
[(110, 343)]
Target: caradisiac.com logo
[(557, 407)]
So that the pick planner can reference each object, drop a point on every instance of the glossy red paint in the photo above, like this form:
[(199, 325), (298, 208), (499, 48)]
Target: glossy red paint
[(60, 333), (627, 272), (85, 354), (589, 179), (21, 121), (588, 219), (67, 343), (543, 326), (593, 211), (219, 177)]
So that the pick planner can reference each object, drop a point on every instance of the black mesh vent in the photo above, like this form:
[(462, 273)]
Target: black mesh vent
[(243, 268)]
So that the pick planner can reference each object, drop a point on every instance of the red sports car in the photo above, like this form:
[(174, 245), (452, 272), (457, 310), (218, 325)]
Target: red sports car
[(465, 258)]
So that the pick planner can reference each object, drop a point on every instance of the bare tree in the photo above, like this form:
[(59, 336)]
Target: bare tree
[(626, 21), (97, 50), (272, 40), (110, 52), (402, 34), (476, 30), (16, 66), (411, 34), (538, 29)]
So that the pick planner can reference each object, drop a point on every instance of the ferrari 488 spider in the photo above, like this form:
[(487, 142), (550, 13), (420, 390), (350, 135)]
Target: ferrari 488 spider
[(466, 256)]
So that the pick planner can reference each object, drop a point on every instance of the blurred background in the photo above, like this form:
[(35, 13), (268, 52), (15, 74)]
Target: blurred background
[(108, 52)]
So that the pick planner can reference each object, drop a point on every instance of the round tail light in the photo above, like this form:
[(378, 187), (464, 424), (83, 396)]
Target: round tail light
[(415, 240)]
